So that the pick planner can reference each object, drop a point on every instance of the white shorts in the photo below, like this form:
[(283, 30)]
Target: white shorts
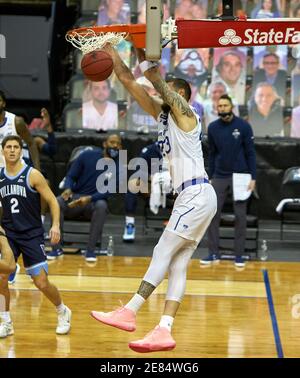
[(193, 211)]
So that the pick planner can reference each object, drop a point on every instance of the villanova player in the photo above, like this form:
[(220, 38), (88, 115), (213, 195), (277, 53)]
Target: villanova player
[(194, 208), (10, 124), (21, 189)]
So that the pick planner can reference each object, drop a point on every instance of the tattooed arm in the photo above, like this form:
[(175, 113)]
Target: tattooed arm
[(181, 111), (148, 103)]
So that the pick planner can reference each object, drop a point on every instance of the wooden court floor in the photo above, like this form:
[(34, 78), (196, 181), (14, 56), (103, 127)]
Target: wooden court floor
[(225, 313)]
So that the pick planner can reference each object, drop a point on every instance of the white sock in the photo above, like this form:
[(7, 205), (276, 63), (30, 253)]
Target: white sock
[(60, 308), (129, 220), (43, 218), (135, 303), (5, 316), (167, 322)]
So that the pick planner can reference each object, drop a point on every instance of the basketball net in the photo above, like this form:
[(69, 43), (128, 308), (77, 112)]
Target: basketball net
[(90, 41)]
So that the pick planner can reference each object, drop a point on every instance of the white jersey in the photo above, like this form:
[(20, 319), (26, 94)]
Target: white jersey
[(8, 127), (182, 149)]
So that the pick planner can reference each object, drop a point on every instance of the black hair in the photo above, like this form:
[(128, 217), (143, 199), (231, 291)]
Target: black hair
[(182, 84), (271, 54), (226, 97), (12, 137), (2, 95)]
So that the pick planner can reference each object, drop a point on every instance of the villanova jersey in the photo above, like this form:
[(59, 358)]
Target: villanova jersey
[(183, 150), (21, 205), (7, 128)]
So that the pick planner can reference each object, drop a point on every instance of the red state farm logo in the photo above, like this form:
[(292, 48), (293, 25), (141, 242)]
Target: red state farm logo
[(230, 37)]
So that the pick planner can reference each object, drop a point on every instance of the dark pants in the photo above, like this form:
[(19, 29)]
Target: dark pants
[(223, 187), (131, 200), (96, 212)]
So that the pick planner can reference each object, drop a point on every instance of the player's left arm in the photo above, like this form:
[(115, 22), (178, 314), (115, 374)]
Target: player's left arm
[(24, 133), (185, 117), (39, 183)]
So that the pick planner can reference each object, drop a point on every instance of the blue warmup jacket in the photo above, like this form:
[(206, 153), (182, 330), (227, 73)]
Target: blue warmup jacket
[(231, 148)]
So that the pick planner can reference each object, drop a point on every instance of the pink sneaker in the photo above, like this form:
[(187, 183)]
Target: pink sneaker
[(157, 340), (122, 318)]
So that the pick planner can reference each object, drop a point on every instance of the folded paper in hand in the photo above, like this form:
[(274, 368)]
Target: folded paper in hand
[(240, 183)]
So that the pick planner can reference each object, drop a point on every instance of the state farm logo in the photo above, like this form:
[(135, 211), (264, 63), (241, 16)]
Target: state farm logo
[(258, 37), (230, 37)]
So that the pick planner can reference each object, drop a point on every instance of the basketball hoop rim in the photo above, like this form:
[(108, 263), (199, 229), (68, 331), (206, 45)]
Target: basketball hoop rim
[(90, 38), (115, 28)]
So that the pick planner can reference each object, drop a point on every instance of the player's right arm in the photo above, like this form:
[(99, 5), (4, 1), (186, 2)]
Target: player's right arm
[(39, 183), (7, 261), (147, 103), (24, 133)]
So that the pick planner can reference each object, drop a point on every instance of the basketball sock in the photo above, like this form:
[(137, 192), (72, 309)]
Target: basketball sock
[(135, 303), (60, 308), (5, 316), (129, 220), (167, 322)]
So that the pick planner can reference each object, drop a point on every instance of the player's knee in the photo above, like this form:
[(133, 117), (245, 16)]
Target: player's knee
[(3, 281), (41, 283), (178, 266), (176, 270)]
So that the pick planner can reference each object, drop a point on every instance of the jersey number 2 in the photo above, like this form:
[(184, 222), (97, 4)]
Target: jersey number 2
[(14, 205)]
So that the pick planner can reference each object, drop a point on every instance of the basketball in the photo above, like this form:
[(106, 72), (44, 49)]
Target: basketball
[(97, 65)]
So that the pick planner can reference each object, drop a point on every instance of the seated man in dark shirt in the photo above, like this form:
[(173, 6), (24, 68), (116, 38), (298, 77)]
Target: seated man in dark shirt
[(93, 176), (153, 159)]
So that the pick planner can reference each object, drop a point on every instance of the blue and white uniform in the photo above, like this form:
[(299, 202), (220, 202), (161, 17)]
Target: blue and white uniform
[(196, 203), (21, 219), (193, 209), (7, 128)]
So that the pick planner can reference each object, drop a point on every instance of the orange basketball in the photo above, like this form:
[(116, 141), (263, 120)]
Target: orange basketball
[(97, 65)]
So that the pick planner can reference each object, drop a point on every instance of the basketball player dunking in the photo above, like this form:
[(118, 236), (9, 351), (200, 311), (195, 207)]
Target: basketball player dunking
[(194, 208), (21, 189)]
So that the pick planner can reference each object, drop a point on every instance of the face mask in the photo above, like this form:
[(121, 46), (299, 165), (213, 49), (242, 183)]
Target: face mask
[(112, 152), (224, 114)]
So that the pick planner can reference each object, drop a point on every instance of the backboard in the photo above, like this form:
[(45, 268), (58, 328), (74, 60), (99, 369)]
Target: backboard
[(154, 18)]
